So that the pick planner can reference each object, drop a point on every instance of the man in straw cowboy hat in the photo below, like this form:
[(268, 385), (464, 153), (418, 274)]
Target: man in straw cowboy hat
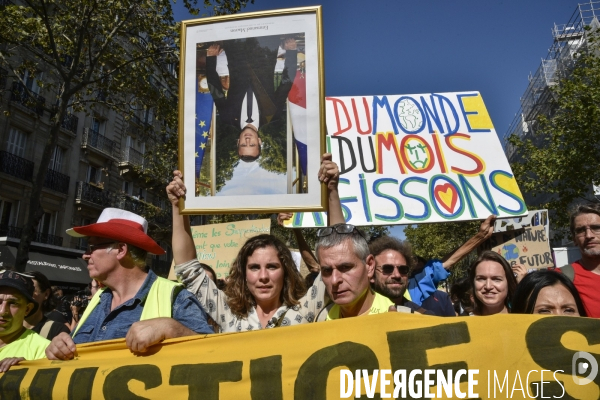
[(134, 303)]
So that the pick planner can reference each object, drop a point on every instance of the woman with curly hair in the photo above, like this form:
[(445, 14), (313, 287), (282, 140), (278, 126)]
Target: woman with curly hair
[(250, 283), (264, 289)]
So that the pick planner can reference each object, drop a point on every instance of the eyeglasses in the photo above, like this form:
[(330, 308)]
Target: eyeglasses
[(388, 269), (580, 231), (339, 228), (93, 247)]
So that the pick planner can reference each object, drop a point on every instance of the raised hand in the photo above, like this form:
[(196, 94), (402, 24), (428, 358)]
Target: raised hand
[(329, 172), (176, 188)]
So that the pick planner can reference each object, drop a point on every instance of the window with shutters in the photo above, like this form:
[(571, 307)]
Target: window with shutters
[(57, 159), (9, 212), (98, 126), (94, 174), (17, 140), (47, 225)]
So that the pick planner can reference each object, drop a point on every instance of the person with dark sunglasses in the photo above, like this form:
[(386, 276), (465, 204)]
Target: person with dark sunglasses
[(393, 262)]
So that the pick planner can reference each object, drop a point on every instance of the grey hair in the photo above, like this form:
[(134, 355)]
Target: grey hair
[(593, 208), (361, 247), (137, 255)]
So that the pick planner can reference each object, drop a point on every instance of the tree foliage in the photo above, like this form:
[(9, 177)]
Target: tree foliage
[(85, 53), (439, 239), (286, 235), (558, 162), (310, 234), (218, 7)]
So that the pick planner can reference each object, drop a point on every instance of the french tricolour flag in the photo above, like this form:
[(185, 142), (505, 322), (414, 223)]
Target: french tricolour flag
[(297, 104)]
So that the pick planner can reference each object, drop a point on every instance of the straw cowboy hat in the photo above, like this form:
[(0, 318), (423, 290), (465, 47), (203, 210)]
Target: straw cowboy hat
[(122, 226)]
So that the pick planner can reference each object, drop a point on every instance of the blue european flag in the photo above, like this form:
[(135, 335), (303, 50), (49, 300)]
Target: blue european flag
[(204, 110)]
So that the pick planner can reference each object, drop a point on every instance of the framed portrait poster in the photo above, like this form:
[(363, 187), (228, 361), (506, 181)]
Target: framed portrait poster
[(251, 114)]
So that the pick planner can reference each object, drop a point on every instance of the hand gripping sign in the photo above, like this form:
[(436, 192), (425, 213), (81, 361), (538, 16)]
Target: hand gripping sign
[(501, 356)]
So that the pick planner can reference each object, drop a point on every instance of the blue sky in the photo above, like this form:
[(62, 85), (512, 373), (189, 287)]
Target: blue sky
[(399, 47)]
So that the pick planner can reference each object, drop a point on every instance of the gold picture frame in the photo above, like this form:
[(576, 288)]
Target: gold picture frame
[(251, 112)]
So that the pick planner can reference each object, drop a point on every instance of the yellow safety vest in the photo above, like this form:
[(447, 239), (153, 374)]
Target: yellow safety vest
[(158, 302)]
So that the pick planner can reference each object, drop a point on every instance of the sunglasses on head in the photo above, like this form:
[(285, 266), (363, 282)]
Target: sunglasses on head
[(339, 228), (388, 269), (18, 273)]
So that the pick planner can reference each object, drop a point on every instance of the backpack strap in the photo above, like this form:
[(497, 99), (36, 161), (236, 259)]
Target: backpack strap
[(568, 271), (46, 329)]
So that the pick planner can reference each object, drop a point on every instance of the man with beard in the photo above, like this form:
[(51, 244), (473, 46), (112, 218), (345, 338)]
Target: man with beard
[(585, 273), (393, 262)]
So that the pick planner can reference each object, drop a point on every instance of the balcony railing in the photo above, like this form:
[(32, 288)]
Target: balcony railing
[(91, 194), (94, 139), (15, 232), (70, 122), (140, 122), (136, 120), (48, 239), (132, 157), (153, 213), (10, 231), (16, 166), (57, 181), (32, 101), (132, 204)]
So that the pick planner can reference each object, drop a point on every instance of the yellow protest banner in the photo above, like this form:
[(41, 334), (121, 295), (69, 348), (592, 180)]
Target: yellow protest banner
[(502, 356), (217, 245)]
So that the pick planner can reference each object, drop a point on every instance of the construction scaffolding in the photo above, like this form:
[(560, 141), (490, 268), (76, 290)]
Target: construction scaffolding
[(569, 41)]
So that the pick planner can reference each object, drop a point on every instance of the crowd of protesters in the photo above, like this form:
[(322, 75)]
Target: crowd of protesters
[(350, 277)]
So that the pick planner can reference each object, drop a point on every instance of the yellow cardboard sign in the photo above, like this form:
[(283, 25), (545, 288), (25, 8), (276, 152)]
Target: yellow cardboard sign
[(528, 246), (502, 356), (217, 245)]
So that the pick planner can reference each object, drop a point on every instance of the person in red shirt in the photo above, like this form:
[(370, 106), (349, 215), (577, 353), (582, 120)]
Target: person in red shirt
[(585, 228)]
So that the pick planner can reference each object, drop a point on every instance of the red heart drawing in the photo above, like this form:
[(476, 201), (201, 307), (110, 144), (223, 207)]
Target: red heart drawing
[(446, 196)]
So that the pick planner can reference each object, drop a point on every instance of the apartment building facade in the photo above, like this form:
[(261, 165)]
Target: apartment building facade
[(568, 40), (94, 165)]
